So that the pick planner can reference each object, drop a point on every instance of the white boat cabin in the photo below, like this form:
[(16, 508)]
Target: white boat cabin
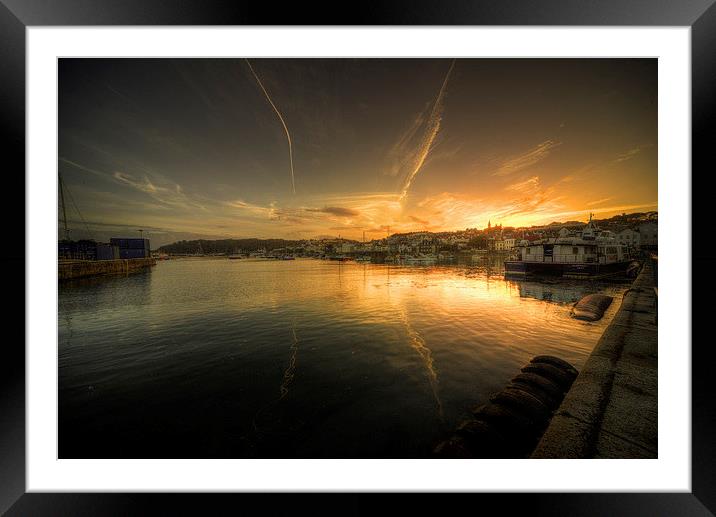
[(594, 246)]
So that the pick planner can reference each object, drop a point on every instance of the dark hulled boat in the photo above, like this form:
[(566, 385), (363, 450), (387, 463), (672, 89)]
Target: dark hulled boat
[(592, 254)]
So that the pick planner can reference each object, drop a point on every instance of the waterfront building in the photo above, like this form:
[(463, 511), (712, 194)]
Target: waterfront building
[(86, 250), (629, 237), (564, 232), (130, 248), (346, 247), (427, 246), (648, 235)]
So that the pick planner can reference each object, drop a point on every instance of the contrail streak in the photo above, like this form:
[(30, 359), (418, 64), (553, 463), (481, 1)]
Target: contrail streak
[(431, 131), (283, 123)]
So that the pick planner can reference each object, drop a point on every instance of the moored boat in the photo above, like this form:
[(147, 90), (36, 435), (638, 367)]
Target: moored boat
[(593, 254), (420, 259)]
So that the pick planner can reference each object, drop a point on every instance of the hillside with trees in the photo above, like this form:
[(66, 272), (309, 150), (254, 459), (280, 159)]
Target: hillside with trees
[(224, 246)]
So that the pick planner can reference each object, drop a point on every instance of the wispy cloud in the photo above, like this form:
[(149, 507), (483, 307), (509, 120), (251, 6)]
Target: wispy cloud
[(160, 189), (432, 127), (378, 229), (83, 168), (143, 185), (628, 155), (528, 185), (631, 153), (527, 159), (599, 201), (522, 201), (539, 206), (418, 220), (292, 214), (336, 210), (402, 153), (268, 212)]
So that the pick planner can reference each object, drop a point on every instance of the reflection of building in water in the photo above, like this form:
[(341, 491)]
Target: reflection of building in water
[(76, 295), (558, 293)]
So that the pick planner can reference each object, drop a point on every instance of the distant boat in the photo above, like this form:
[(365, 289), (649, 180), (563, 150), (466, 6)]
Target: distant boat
[(421, 259), (234, 256), (288, 257)]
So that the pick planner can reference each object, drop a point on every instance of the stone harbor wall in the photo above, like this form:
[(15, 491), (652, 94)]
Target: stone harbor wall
[(69, 270), (612, 407)]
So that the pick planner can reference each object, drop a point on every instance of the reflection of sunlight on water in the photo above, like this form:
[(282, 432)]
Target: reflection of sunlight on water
[(206, 330), (418, 344)]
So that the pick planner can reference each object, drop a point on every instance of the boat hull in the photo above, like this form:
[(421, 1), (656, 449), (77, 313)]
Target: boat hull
[(578, 270)]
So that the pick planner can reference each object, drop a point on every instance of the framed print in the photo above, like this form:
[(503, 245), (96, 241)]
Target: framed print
[(413, 251)]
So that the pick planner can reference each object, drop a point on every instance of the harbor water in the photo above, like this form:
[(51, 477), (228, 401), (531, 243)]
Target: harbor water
[(218, 358)]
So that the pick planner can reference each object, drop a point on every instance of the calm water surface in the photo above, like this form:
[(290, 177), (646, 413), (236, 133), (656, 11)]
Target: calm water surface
[(305, 358)]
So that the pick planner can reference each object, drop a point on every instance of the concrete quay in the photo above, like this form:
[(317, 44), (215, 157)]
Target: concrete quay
[(611, 409), (72, 269)]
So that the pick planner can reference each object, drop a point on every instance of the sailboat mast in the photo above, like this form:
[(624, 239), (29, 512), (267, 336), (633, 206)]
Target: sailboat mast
[(64, 211)]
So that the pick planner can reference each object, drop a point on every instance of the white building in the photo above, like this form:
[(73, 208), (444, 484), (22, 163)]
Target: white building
[(629, 237), (504, 244), (648, 234), (313, 248)]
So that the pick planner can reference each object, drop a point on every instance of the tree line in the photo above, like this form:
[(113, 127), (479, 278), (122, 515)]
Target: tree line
[(224, 246)]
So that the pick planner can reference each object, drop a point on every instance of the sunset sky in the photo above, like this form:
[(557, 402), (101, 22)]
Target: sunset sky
[(198, 147)]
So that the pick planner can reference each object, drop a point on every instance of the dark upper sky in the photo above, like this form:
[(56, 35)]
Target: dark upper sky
[(196, 146)]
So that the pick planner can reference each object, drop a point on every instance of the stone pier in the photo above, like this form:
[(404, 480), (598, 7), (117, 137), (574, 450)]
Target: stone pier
[(611, 409), (69, 270)]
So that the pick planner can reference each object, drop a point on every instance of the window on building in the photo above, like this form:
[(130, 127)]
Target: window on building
[(575, 251)]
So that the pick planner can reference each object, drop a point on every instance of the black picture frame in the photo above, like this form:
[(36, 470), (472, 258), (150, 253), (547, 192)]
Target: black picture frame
[(17, 15)]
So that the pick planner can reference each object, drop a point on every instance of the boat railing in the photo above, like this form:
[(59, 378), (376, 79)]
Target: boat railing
[(571, 258)]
